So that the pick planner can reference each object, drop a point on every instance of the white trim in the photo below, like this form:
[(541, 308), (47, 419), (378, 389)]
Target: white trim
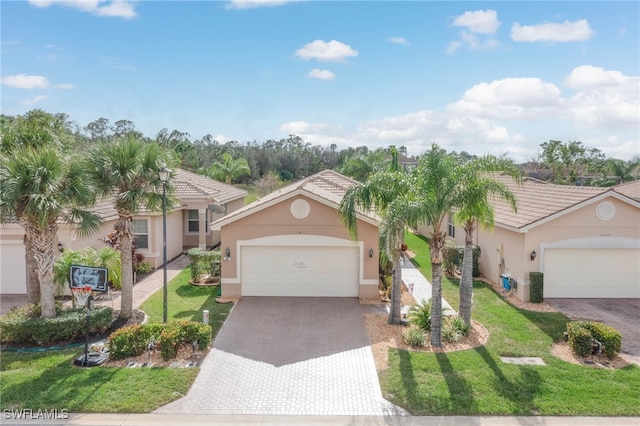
[(216, 226), (590, 243), (11, 242)]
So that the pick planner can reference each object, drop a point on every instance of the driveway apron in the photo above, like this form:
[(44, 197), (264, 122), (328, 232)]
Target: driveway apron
[(291, 356)]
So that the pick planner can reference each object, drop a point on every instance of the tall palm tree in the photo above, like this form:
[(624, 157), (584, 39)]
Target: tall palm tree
[(40, 187), (390, 194), (437, 180), (477, 185), (126, 170)]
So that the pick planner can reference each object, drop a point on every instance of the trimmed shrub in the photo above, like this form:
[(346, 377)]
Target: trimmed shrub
[(536, 287), (204, 262), (25, 327), (452, 259), (143, 268), (453, 329), (582, 335), (420, 316), (415, 337), (134, 340)]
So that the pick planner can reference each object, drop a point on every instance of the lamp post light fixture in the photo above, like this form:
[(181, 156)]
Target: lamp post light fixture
[(163, 173)]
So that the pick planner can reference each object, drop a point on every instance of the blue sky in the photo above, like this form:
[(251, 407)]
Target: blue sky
[(483, 77)]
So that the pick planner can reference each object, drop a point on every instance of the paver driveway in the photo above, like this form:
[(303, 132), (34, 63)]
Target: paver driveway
[(280, 355), (621, 314)]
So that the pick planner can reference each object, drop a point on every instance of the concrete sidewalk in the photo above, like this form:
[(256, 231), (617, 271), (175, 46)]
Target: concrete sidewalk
[(107, 419), (146, 287), (419, 286)]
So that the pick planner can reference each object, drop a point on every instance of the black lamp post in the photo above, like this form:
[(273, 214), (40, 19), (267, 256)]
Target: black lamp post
[(164, 177)]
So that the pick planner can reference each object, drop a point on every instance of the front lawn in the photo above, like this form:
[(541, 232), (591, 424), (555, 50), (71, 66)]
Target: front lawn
[(48, 380), (477, 382)]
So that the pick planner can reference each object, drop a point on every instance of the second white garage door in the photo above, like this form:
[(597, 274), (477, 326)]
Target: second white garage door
[(592, 273), (12, 268), (300, 271)]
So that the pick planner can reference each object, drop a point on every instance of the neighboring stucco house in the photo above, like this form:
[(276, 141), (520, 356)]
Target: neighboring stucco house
[(586, 240), (292, 243), (187, 226)]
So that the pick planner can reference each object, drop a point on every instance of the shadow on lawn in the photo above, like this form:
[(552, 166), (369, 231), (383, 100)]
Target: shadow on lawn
[(460, 393), (521, 391)]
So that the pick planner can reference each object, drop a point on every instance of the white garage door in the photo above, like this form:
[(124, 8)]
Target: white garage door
[(12, 268), (592, 273), (300, 271)]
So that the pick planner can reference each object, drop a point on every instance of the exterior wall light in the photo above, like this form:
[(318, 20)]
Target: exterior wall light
[(371, 252), (533, 255), (60, 248), (227, 254)]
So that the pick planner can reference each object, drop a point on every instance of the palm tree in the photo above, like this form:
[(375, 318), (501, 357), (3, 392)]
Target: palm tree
[(126, 170), (228, 169), (40, 187), (390, 194), (437, 180), (477, 186)]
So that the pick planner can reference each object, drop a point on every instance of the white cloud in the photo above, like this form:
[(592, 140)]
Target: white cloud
[(251, 4), (326, 51), (110, 8), (478, 26), (33, 101), (24, 81), (478, 21), (515, 98), (321, 74), (560, 32), (398, 40), (510, 116)]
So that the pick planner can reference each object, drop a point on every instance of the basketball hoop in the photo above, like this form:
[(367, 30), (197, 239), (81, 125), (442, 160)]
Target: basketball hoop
[(81, 294)]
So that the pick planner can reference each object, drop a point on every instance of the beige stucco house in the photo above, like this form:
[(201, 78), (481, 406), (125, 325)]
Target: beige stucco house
[(187, 227), (292, 243), (585, 240)]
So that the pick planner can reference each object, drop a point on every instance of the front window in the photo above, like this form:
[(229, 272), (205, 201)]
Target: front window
[(193, 221), (141, 233), (451, 227)]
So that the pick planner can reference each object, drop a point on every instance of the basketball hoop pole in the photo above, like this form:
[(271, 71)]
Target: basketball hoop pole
[(85, 363)]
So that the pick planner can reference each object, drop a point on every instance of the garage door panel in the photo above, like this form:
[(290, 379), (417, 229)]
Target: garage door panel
[(300, 271), (12, 269), (592, 273)]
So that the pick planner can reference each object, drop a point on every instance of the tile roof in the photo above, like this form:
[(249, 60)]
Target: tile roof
[(629, 189), (537, 200), (327, 185), (187, 185)]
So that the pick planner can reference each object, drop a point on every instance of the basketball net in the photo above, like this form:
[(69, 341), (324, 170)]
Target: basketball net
[(81, 294)]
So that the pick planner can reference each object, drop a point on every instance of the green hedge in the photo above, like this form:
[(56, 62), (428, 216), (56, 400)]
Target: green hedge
[(134, 340), (536, 287), (582, 333), (452, 257), (24, 327), (204, 262)]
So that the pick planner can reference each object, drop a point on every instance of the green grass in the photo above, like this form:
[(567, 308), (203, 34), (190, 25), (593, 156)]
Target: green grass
[(476, 381), (186, 302), (49, 380)]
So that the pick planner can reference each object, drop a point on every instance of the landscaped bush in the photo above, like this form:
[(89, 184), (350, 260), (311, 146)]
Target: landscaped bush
[(536, 287), (143, 268), (420, 316), (24, 326), (582, 335), (452, 259), (204, 262), (415, 337), (134, 340), (454, 328)]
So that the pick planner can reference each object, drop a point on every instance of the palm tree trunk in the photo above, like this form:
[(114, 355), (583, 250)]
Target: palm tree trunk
[(124, 229), (41, 241), (33, 283), (436, 305), (466, 280), (395, 314)]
